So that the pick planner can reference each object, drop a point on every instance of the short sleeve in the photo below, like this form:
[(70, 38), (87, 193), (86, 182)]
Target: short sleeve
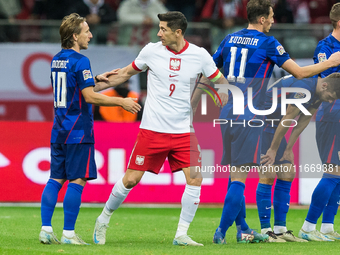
[(321, 54), (209, 68), (140, 63), (84, 73), (217, 57), (307, 84), (276, 52)]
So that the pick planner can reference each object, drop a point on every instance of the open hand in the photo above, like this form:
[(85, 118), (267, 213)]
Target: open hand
[(269, 158), (104, 76), (288, 155), (130, 105), (224, 99)]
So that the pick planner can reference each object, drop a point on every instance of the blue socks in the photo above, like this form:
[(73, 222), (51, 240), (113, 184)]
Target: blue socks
[(232, 206), (71, 205), (281, 202), (264, 203), (332, 207), (49, 199), (321, 196), (240, 220)]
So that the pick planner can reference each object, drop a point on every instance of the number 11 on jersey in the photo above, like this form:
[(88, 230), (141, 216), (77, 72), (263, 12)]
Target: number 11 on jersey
[(59, 89), (240, 77)]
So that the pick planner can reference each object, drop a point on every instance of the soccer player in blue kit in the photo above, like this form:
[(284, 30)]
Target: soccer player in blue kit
[(325, 198), (248, 58), (279, 154), (72, 139)]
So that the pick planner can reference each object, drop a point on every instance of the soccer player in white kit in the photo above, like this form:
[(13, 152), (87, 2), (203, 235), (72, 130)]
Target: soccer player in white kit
[(165, 128)]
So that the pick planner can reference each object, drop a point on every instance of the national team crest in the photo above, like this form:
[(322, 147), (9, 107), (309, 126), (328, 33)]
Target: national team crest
[(87, 74), (280, 49), (322, 57), (139, 160), (175, 64)]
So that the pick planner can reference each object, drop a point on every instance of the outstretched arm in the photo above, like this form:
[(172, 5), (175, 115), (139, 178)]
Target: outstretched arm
[(127, 104), (114, 80), (101, 80), (311, 70)]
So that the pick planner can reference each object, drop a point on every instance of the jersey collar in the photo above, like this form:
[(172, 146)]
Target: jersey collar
[(181, 51)]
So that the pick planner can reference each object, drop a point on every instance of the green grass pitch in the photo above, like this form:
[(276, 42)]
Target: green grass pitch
[(145, 231)]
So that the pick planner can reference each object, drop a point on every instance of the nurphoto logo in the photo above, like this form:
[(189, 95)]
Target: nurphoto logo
[(239, 102)]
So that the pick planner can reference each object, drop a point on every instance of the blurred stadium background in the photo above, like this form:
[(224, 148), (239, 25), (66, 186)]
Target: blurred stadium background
[(29, 38)]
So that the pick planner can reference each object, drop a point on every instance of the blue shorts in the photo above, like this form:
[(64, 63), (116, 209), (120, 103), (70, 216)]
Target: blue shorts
[(267, 139), (328, 141), (73, 161), (241, 145)]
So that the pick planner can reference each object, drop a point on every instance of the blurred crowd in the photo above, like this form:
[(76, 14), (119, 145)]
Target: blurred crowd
[(138, 24), (225, 13), (138, 20)]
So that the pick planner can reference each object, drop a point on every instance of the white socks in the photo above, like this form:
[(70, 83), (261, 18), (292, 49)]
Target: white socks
[(190, 201), (48, 229), (68, 233), (105, 216), (265, 230), (308, 227), (277, 230), (117, 196), (280, 229), (327, 228)]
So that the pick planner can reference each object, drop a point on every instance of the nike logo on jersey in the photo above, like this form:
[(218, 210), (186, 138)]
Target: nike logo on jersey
[(268, 207), (173, 75)]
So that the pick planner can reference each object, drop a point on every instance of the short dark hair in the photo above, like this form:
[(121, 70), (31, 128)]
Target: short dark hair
[(333, 83), (70, 25), (334, 14), (257, 9), (176, 20)]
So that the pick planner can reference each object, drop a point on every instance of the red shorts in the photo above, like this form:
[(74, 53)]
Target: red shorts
[(152, 148)]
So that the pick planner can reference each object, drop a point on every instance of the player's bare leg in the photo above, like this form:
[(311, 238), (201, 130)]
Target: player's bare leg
[(117, 196), (190, 201)]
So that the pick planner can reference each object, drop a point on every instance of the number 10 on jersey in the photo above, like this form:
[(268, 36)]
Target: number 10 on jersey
[(59, 89)]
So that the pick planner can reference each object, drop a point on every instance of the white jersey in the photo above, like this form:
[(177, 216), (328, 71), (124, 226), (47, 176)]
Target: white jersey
[(167, 108)]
